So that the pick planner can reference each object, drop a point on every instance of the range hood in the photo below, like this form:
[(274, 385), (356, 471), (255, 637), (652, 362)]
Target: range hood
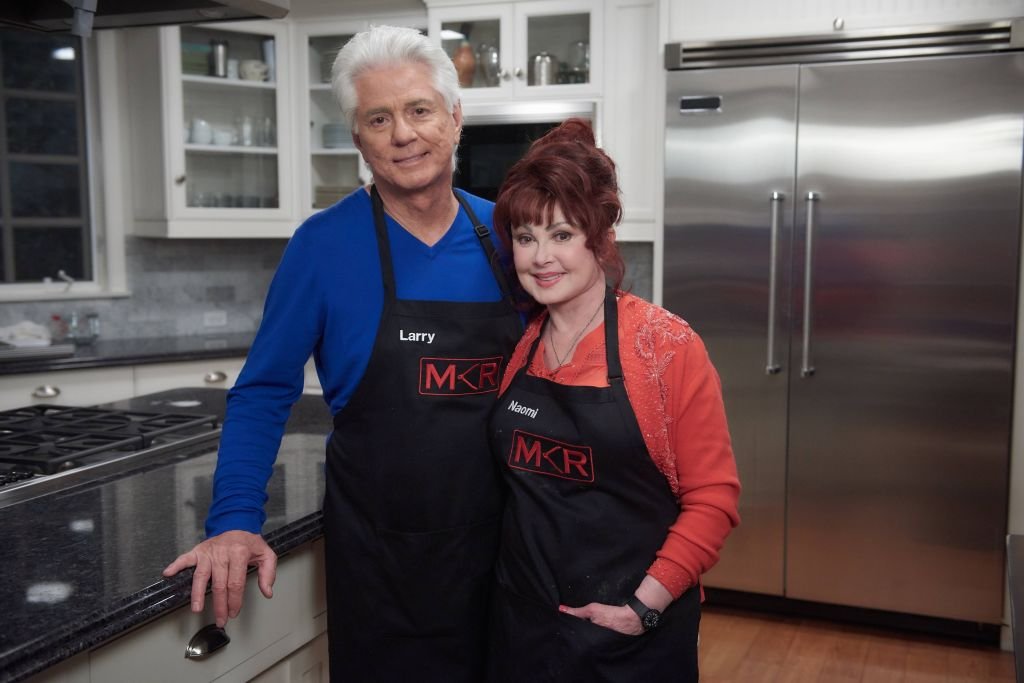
[(79, 16)]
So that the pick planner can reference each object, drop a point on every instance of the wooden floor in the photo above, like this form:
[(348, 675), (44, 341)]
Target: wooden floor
[(752, 647)]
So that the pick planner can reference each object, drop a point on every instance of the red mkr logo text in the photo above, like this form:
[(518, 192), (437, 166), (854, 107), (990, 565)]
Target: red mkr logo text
[(538, 454), (459, 376)]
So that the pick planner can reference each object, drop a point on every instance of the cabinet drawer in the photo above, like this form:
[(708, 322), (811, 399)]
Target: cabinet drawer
[(67, 387), (220, 373), (265, 632), (310, 380)]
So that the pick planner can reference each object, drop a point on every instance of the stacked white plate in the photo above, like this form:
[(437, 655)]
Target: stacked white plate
[(336, 135), (328, 195)]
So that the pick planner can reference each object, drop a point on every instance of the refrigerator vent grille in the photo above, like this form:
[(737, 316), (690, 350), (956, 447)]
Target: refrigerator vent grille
[(848, 45)]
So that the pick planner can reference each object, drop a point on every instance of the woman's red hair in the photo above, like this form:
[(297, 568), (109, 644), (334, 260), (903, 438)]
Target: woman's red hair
[(565, 168)]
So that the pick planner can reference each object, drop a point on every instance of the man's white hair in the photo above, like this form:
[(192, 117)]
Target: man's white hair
[(381, 46)]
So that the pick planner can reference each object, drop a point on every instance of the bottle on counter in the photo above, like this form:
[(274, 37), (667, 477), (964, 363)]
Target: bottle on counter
[(92, 322), (58, 329)]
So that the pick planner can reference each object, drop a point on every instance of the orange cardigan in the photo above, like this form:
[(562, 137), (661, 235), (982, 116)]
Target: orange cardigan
[(677, 397)]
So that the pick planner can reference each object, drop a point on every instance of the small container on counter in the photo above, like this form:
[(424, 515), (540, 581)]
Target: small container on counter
[(58, 329), (84, 330)]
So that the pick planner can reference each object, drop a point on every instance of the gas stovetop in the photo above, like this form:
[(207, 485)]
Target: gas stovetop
[(43, 440)]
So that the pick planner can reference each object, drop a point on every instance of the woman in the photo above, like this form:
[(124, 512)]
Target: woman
[(611, 435)]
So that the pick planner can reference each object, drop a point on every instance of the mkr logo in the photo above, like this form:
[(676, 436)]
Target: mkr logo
[(539, 454), (459, 376)]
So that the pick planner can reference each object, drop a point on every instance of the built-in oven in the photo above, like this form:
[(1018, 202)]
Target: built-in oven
[(496, 135)]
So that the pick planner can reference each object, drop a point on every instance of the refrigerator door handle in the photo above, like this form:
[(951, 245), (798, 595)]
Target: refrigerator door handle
[(771, 366), (806, 366)]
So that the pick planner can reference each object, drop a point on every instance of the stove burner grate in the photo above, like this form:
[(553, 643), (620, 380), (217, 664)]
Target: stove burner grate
[(46, 439)]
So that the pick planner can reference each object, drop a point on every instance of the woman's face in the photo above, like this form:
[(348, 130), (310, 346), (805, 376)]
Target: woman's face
[(553, 262)]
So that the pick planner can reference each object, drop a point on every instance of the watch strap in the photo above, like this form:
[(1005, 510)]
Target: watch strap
[(648, 617)]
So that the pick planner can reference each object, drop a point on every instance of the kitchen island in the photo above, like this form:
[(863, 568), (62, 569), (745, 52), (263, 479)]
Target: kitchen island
[(82, 566)]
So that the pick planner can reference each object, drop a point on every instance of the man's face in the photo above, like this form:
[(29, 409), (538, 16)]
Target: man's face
[(403, 130)]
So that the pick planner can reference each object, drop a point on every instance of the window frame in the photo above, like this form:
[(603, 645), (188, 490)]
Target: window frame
[(105, 123)]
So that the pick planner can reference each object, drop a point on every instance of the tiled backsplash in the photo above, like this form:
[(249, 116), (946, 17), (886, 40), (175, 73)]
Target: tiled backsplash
[(176, 283), (639, 258)]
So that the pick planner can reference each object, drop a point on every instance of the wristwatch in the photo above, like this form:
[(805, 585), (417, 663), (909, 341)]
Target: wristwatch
[(649, 618)]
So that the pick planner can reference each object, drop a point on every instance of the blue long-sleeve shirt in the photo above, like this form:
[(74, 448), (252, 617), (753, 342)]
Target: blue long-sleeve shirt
[(326, 299)]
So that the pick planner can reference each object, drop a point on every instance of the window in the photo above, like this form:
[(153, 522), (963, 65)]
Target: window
[(45, 227)]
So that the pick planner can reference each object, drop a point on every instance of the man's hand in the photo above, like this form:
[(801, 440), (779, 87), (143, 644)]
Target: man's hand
[(223, 561)]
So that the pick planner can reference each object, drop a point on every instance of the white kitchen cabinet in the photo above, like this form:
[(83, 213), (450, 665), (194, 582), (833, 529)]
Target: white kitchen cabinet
[(504, 41), (695, 20), (329, 164), (67, 387), (210, 156), (72, 670), (310, 380), (308, 664), (631, 100), (265, 632), (219, 373)]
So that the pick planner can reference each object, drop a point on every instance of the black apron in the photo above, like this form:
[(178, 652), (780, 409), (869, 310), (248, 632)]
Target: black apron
[(413, 501), (587, 510)]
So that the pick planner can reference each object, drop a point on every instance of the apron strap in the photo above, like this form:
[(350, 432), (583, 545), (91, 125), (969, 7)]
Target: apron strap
[(383, 246), (483, 233), (611, 337), (611, 340)]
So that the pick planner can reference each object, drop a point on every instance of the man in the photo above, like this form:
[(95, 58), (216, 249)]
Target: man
[(398, 294)]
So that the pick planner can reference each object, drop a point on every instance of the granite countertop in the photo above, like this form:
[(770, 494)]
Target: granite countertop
[(83, 565), (114, 352)]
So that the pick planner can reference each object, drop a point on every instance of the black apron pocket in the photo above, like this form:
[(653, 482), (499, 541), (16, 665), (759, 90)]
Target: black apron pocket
[(523, 640), (436, 583)]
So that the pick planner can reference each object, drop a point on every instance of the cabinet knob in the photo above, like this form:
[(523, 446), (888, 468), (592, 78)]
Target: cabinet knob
[(206, 641), (215, 377), (46, 391), (505, 75), (179, 180), (519, 74)]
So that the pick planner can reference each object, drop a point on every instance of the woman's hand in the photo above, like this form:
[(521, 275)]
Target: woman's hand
[(621, 619)]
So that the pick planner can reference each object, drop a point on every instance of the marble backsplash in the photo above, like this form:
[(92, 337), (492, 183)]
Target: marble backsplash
[(175, 284)]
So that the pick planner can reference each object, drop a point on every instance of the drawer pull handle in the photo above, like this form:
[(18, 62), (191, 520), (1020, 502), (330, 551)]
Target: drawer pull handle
[(206, 641), (46, 391), (215, 377)]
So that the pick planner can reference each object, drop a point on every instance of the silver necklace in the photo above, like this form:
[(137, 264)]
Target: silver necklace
[(572, 345)]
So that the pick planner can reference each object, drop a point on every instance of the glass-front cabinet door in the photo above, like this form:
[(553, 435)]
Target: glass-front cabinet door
[(210, 128), (479, 41), (334, 167), (331, 166), (538, 48), (556, 44), (231, 120)]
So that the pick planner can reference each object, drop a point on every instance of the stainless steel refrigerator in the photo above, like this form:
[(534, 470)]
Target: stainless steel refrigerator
[(842, 228)]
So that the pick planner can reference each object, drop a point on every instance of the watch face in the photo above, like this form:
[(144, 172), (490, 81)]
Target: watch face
[(651, 619)]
